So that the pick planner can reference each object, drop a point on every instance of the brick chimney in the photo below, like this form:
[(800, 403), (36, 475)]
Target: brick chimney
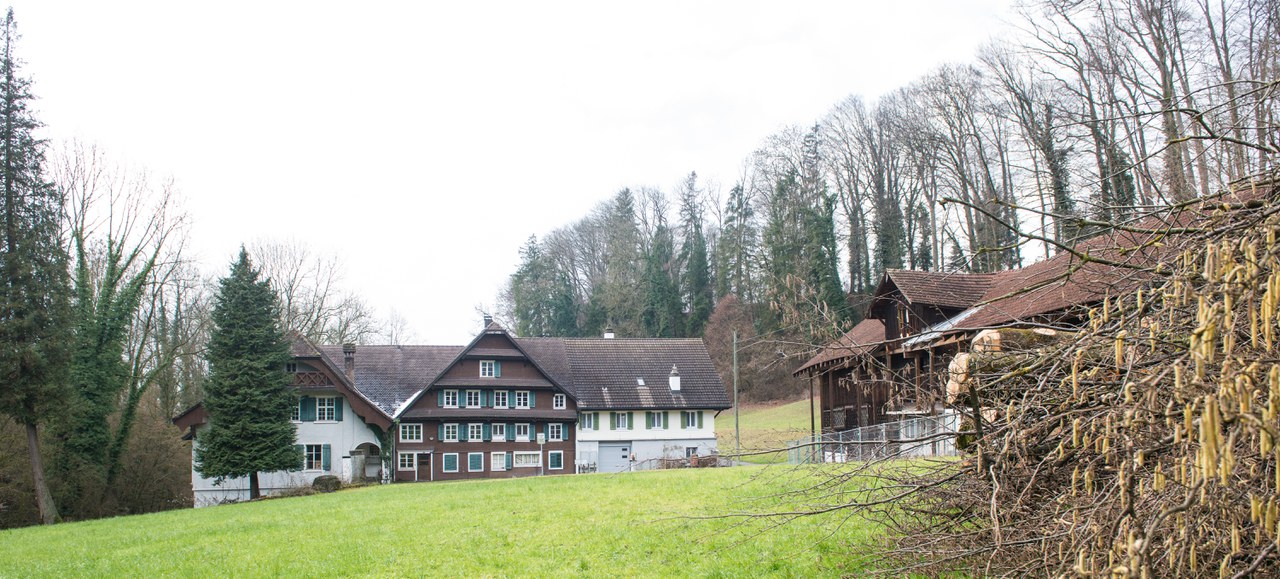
[(674, 379), (349, 361)]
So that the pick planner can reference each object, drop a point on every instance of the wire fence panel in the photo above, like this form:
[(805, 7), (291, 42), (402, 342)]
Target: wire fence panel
[(915, 437)]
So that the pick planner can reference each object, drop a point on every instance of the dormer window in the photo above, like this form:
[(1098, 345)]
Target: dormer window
[(639, 381), (488, 369)]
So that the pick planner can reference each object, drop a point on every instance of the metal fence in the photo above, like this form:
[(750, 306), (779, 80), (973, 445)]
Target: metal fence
[(915, 437)]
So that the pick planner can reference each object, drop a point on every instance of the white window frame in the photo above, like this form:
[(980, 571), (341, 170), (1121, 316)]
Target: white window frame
[(332, 408), (444, 462), (471, 454), (522, 395), (413, 459), (498, 432), (476, 429), (555, 432), (450, 394), (447, 436), (500, 394), (622, 420), (497, 461), (517, 455), (549, 463), (523, 426), (307, 465), (488, 369), (479, 399), (296, 414), (588, 421), (663, 421), (690, 419), (558, 402), (408, 428)]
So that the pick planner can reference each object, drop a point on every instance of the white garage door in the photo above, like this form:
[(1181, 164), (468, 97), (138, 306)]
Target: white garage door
[(615, 456)]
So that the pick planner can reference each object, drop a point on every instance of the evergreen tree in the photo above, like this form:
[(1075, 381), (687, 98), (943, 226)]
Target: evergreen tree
[(35, 316), (248, 396), (663, 317), (620, 294), (737, 246), (542, 296), (696, 277)]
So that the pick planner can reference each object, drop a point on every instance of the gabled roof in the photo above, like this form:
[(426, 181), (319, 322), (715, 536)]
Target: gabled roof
[(864, 338), (952, 290), (605, 372), (391, 375)]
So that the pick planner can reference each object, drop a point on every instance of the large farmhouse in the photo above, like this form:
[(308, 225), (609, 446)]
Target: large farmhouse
[(501, 406)]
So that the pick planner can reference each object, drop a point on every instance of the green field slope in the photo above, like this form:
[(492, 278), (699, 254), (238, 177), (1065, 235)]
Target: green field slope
[(764, 427), (635, 524)]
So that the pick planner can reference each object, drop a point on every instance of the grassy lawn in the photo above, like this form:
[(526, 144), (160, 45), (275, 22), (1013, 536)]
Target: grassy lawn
[(765, 427), (634, 524)]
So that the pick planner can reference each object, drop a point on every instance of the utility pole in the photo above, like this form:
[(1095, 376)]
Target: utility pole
[(737, 427)]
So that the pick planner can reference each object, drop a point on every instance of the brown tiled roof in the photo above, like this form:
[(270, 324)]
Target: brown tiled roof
[(390, 375), (943, 289), (862, 339), (604, 374)]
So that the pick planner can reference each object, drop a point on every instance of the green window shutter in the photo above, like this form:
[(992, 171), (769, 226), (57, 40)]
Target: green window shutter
[(631, 425), (325, 456), (463, 431), (488, 432), (497, 369), (510, 457), (613, 421), (699, 419), (337, 408), (486, 399), (566, 430), (579, 421), (511, 432), (308, 409), (648, 420), (595, 422), (440, 431), (440, 398), (533, 396)]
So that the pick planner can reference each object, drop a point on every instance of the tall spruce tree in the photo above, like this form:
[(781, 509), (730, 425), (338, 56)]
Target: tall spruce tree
[(662, 309), (247, 396), (696, 276), (35, 311)]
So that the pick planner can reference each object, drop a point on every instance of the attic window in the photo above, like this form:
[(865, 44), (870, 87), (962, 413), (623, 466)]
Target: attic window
[(639, 381), (291, 367)]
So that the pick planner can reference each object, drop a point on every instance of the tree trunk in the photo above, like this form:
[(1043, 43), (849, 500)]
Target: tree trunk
[(44, 500), (254, 493)]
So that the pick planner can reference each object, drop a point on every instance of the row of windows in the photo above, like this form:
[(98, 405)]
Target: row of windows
[(483, 431), (317, 409), (498, 461), (653, 420), (496, 399)]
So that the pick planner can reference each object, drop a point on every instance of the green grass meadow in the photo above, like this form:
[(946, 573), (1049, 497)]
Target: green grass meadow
[(633, 524), (764, 427)]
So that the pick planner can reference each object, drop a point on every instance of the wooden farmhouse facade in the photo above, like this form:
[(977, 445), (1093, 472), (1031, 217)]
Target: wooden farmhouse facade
[(896, 364), (502, 406)]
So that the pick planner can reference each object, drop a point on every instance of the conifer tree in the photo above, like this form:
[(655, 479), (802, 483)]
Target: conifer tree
[(662, 309), (247, 396), (695, 279), (35, 312)]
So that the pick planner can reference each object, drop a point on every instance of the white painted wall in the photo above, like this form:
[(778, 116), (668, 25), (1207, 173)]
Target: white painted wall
[(342, 437), (649, 444)]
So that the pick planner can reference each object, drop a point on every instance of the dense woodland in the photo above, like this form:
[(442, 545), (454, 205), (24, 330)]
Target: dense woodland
[(1086, 111)]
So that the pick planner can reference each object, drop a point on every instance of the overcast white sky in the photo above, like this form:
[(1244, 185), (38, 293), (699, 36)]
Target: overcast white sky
[(424, 142)]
